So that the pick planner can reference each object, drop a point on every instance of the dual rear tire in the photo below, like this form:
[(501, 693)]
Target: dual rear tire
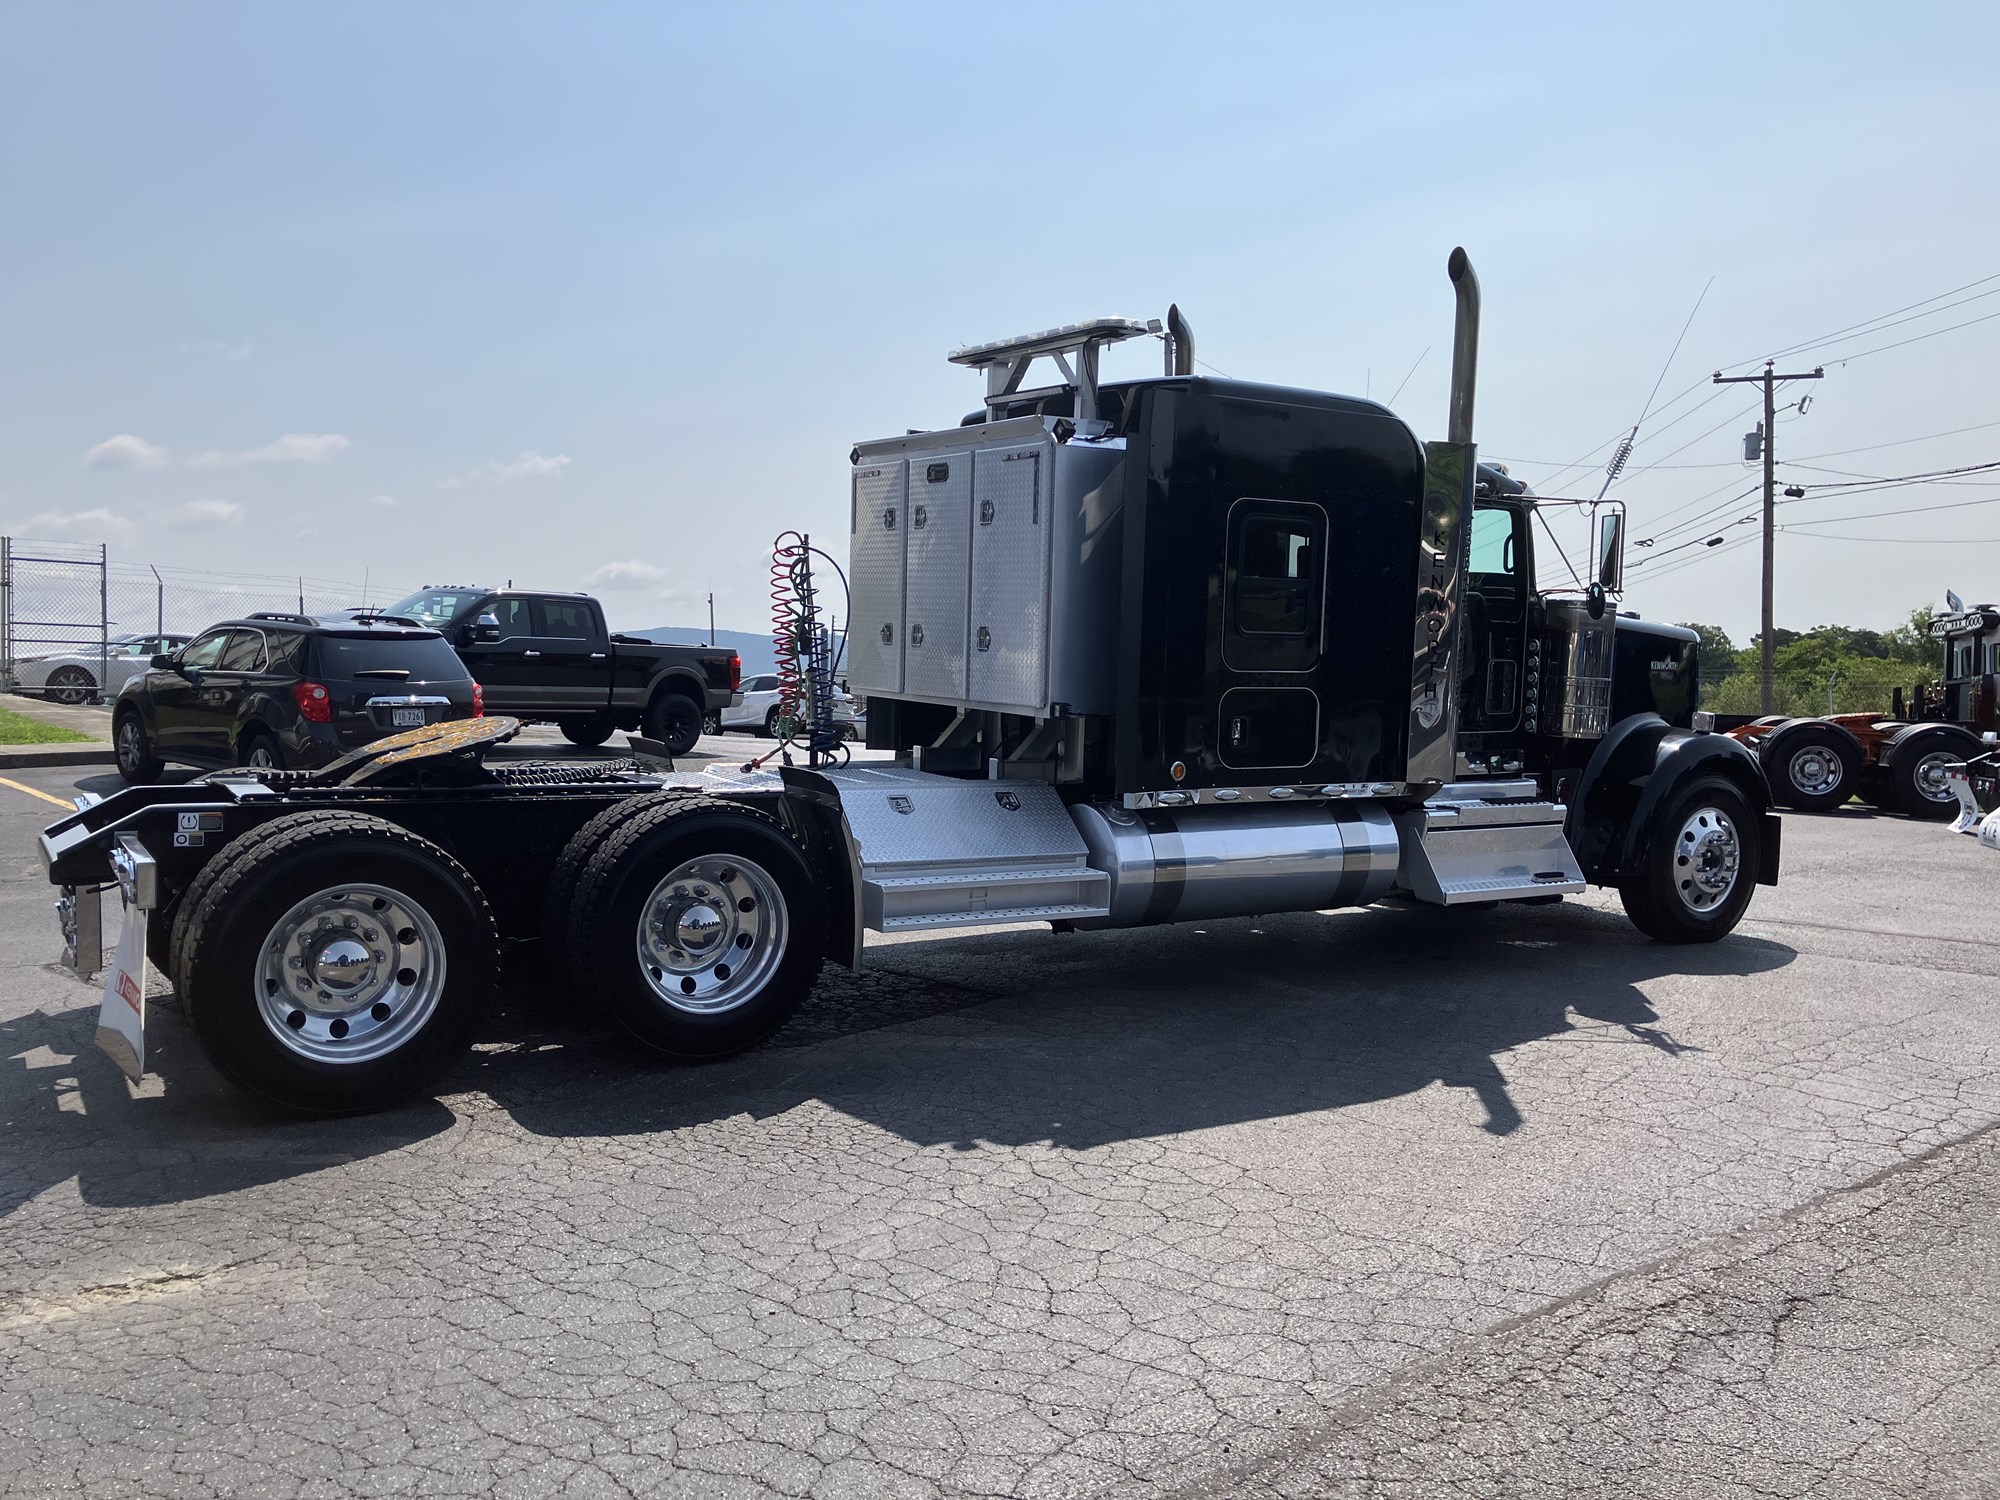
[(696, 925), (332, 962), (1811, 765)]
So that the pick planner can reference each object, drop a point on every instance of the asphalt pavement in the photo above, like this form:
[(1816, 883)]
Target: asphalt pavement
[(1392, 1202)]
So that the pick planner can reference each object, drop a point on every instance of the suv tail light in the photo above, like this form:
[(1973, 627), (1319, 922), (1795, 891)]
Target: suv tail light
[(315, 703), (735, 673), (478, 701)]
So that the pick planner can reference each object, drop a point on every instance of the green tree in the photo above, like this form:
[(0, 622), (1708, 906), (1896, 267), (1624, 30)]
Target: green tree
[(1716, 655)]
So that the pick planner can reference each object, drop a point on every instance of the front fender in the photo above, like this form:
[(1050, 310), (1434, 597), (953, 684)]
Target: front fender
[(1606, 794), (1683, 754), (1633, 774)]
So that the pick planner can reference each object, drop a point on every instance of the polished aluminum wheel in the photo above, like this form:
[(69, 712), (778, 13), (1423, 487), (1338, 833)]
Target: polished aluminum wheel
[(1928, 776), (712, 934), (1707, 857), (350, 974), (1815, 771)]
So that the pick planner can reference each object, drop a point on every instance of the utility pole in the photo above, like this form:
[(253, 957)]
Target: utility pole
[(711, 617), (1767, 664)]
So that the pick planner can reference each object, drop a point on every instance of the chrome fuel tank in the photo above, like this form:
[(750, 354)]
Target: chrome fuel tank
[(1201, 862)]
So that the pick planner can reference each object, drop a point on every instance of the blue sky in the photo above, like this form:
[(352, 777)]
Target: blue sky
[(600, 297)]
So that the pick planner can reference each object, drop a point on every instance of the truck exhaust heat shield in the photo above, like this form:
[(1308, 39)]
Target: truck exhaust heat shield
[(1450, 470)]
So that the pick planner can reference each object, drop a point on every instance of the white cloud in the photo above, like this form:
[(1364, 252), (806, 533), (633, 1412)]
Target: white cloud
[(382, 502), (95, 522), (126, 451), (630, 574), (529, 464), (292, 448), (197, 514)]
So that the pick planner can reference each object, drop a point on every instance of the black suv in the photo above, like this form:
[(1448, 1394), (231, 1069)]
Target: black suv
[(288, 690)]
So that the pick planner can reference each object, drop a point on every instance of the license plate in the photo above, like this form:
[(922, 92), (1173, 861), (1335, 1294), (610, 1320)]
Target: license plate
[(401, 717)]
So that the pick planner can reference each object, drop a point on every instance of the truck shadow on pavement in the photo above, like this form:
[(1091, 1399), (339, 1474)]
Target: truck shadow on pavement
[(66, 1112), (1080, 1040), (1074, 1040)]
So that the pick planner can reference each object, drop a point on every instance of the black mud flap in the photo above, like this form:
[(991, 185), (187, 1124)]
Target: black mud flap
[(1767, 863)]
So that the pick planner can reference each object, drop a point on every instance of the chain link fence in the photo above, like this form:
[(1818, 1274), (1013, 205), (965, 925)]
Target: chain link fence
[(1809, 695), (75, 626)]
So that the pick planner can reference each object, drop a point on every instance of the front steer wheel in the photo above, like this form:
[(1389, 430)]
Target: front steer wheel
[(696, 925), (332, 962), (674, 719), (1699, 868)]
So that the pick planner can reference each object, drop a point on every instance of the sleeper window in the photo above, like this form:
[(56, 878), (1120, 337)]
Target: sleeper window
[(1276, 571), (1274, 584)]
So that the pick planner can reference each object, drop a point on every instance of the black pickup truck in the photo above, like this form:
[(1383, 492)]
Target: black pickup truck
[(548, 657)]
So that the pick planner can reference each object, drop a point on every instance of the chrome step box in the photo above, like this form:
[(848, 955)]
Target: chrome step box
[(938, 851), (1487, 841)]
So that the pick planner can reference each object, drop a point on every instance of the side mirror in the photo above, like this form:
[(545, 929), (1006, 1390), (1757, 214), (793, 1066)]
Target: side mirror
[(1611, 551), (485, 630), (162, 662)]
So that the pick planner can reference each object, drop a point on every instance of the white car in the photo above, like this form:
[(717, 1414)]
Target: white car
[(71, 676), (758, 711)]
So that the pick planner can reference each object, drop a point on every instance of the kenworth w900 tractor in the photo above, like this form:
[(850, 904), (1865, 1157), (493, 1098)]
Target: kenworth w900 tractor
[(1145, 651)]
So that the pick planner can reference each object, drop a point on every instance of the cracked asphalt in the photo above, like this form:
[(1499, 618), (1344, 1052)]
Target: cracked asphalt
[(1396, 1202)]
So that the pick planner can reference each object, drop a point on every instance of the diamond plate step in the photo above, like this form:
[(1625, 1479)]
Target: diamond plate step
[(1457, 853), (972, 897)]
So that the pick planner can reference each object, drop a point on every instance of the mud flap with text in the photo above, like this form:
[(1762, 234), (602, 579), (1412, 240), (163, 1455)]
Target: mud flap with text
[(121, 1018)]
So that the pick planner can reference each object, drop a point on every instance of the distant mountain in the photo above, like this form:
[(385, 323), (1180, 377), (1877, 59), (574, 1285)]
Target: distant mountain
[(758, 654)]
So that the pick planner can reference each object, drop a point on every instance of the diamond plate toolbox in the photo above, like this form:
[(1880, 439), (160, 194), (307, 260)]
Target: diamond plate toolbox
[(875, 575)]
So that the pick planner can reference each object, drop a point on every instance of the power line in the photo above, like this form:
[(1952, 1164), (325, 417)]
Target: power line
[(1867, 323), (1885, 481), (1900, 442), (1908, 510), (1904, 541), (1842, 359), (1881, 326)]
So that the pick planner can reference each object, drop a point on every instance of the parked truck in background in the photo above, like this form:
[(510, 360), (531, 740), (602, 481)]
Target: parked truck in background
[(548, 658), (1898, 764)]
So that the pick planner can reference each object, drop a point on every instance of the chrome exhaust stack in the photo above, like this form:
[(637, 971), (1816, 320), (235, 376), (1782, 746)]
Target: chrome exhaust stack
[(1450, 470), (1464, 346), (1180, 343)]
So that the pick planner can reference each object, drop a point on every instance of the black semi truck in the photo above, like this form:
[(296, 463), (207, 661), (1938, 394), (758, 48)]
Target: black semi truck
[(1169, 649)]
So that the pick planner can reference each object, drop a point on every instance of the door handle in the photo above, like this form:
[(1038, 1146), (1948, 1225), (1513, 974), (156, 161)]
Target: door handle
[(597, 656), (531, 653)]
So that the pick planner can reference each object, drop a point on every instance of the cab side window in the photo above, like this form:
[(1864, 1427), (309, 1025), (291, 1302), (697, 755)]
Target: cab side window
[(206, 650), (1495, 552), (567, 620), (515, 614)]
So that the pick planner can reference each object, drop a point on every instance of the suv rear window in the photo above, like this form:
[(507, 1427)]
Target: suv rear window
[(426, 658)]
